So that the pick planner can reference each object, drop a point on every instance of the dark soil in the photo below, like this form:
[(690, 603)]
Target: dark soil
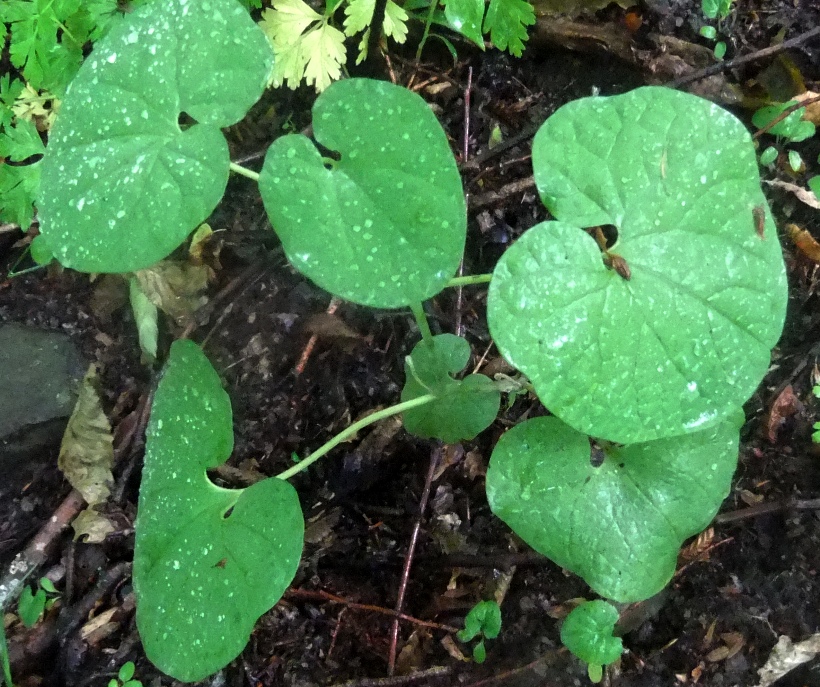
[(749, 581)]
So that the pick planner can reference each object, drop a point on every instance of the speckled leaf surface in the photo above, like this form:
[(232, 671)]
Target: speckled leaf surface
[(587, 633), (619, 525), (207, 561), (466, 16), (122, 184), (464, 407), (385, 226), (687, 338)]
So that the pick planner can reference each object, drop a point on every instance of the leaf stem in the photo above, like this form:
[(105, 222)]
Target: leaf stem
[(239, 169), (421, 321), (469, 280), (350, 431), (427, 24)]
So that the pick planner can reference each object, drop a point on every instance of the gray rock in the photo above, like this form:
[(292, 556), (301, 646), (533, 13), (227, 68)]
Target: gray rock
[(39, 376)]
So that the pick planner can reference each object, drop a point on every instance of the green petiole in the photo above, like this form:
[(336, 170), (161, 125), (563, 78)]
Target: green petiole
[(351, 431)]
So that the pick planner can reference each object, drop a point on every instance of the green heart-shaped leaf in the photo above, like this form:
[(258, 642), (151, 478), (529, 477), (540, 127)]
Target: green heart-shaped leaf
[(687, 338), (122, 185), (619, 525), (587, 633), (463, 407), (207, 561), (385, 225)]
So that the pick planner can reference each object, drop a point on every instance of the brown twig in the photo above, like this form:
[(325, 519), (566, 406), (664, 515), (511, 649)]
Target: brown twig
[(792, 108), (768, 507), (408, 559), (321, 595), (502, 194), (546, 658), (311, 344), (477, 162), (719, 67), (465, 153), (38, 549), (399, 680)]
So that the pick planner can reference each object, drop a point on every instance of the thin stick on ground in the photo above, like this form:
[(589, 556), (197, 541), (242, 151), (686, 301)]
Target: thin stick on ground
[(321, 595), (311, 344), (399, 680), (768, 507), (408, 559), (719, 67), (38, 549), (465, 154)]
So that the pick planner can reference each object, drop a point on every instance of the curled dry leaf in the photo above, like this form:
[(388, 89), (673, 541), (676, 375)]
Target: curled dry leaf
[(802, 194), (91, 527), (86, 452), (175, 288), (784, 406), (86, 457), (804, 241)]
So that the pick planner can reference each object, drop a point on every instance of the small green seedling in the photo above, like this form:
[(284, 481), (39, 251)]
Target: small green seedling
[(484, 621), (792, 129), (815, 437), (719, 10), (31, 604), (125, 676), (587, 633), (462, 408)]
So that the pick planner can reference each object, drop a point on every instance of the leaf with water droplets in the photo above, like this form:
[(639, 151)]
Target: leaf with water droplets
[(122, 183), (684, 336), (463, 407), (618, 525), (207, 561), (384, 225)]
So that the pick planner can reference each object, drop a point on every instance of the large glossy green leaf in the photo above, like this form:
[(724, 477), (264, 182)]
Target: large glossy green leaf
[(687, 338), (385, 225), (207, 561), (122, 184), (619, 525), (587, 633), (464, 407)]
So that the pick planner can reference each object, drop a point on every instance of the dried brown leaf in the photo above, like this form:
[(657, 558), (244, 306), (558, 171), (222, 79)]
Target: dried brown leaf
[(719, 654), (86, 452), (175, 288), (784, 406), (804, 241), (92, 525), (330, 326), (802, 194)]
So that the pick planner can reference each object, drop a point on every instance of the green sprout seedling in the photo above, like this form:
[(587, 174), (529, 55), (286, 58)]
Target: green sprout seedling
[(125, 676), (31, 604), (483, 621), (792, 129), (719, 10), (587, 633), (815, 437), (649, 346)]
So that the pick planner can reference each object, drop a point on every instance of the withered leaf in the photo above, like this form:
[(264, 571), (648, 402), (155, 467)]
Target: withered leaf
[(86, 452), (175, 288), (784, 406), (92, 525)]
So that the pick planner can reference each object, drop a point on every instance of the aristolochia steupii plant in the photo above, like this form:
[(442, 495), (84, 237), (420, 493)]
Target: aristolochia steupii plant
[(650, 345)]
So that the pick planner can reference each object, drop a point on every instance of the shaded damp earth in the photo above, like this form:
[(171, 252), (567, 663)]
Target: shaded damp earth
[(739, 586)]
